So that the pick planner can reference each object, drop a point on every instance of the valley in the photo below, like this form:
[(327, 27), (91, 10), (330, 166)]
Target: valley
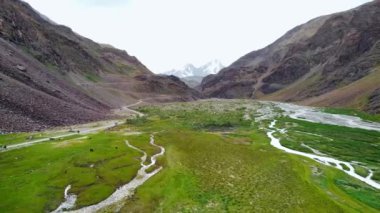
[(86, 127), (207, 155)]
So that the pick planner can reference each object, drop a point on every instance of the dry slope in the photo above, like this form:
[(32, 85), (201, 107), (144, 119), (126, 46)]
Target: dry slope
[(50, 76), (311, 60)]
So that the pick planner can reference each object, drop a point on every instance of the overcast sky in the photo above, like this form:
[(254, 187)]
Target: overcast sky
[(167, 34)]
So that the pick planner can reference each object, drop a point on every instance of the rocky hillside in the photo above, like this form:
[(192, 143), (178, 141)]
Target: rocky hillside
[(332, 60), (51, 76)]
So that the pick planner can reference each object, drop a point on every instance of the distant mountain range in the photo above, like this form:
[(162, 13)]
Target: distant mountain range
[(333, 60), (193, 75)]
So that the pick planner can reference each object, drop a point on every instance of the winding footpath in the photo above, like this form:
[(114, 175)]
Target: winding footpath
[(124, 191), (275, 142), (82, 131), (128, 109)]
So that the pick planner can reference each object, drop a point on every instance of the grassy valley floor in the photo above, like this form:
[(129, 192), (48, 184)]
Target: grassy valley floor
[(218, 159)]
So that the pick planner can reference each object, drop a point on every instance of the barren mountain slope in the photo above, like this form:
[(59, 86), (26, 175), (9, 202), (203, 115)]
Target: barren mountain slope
[(318, 57), (51, 76)]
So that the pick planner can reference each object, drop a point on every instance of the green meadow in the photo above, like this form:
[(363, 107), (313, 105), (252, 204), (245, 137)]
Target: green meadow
[(217, 160)]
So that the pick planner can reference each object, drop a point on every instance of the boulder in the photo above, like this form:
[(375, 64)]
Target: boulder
[(21, 68)]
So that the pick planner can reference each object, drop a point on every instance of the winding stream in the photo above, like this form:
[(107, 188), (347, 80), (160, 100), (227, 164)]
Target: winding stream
[(126, 190), (69, 202), (321, 159)]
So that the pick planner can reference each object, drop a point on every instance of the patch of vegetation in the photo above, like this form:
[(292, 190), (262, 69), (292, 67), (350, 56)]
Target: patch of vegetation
[(92, 77), (16, 138), (138, 120), (51, 66), (361, 170), (199, 119), (13, 138), (345, 167), (362, 193), (376, 174), (127, 69)]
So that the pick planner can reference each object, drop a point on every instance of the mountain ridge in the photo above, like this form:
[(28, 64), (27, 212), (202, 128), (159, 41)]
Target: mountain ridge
[(320, 56), (52, 76)]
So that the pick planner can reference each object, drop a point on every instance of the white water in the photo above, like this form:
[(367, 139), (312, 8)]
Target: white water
[(321, 159), (128, 189), (69, 203), (316, 116)]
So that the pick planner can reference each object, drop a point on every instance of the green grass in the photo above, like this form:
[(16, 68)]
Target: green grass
[(345, 167), (215, 161), (361, 170), (200, 119), (13, 138), (34, 178), (362, 193), (203, 173), (16, 138), (92, 77)]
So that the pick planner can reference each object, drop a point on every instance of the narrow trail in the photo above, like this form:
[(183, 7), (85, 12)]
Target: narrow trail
[(135, 104), (329, 161), (82, 131), (127, 108), (126, 190)]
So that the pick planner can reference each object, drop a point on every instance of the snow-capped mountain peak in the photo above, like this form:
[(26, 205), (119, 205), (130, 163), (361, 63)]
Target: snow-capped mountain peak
[(190, 70), (212, 67)]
